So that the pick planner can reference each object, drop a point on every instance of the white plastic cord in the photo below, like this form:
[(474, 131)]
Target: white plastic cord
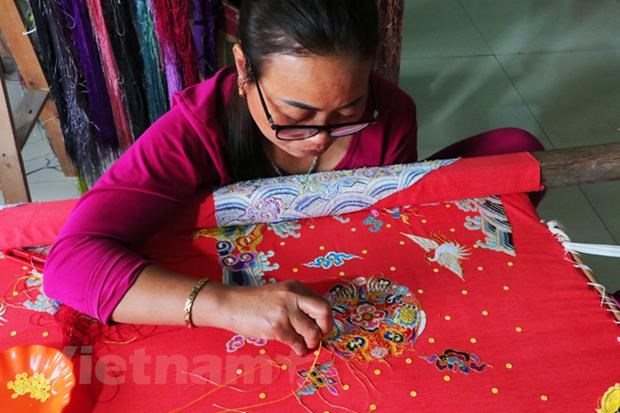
[(575, 247), (593, 249)]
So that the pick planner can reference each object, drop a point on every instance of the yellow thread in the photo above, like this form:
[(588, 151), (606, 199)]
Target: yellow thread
[(464, 292), (262, 352), (508, 366), (485, 313), (431, 340), (353, 229), (424, 221), (435, 270), (511, 264), (45, 334), (452, 229), (495, 390), (377, 372), (389, 225), (284, 367), (392, 269), (473, 340), (447, 378), (322, 248), (37, 385), (312, 227), (13, 333), (545, 398), (373, 407), (364, 252), (506, 288), (269, 403), (282, 243), (341, 273), (519, 330), (239, 372), (262, 396), (420, 291), (15, 293), (413, 393), (480, 268), (402, 243), (346, 387), (448, 318), (409, 361), (448, 206)]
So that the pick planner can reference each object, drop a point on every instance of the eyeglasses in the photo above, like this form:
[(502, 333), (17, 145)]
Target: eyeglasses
[(301, 132)]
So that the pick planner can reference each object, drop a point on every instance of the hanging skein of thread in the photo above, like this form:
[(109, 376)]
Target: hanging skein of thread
[(212, 8), (63, 75), (154, 83), (184, 45), (163, 23), (126, 50), (204, 15), (94, 81), (112, 78)]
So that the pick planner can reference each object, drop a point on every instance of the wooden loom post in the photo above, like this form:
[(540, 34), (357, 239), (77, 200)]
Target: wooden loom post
[(391, 14), (12, 26), (12, 175)]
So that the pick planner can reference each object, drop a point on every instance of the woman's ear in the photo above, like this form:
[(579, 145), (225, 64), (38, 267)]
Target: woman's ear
[(240, 63)]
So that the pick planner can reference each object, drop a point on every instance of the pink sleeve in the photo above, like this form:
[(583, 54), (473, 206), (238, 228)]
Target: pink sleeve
[(92, 263)]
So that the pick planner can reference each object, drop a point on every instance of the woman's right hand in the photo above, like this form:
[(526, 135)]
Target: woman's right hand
[(287, 312)]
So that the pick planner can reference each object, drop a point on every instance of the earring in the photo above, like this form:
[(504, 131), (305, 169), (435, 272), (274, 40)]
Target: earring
[(242, 93)]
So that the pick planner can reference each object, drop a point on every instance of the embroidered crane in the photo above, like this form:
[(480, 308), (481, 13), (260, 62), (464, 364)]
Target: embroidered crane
[(447, 254)]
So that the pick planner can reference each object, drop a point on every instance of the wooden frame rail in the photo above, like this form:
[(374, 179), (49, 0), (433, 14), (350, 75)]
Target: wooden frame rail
[(580, 165)]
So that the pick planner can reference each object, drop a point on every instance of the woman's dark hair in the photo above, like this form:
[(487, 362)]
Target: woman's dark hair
[(298, 28)]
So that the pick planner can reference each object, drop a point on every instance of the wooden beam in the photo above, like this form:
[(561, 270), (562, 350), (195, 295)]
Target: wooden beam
[(26, 115), (581, 165), (12, 27), (12, 175)]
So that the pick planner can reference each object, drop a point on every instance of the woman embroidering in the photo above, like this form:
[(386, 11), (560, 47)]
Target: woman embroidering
[(302, 98)]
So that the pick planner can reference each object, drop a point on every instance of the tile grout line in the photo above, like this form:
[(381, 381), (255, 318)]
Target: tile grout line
[(512, 83), (598, 215)]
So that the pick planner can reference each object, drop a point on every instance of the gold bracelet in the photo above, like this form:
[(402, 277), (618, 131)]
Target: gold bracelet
[(189, 302)]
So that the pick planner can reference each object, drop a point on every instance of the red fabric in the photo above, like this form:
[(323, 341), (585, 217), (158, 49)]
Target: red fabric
[(33, 224), (529, 332)]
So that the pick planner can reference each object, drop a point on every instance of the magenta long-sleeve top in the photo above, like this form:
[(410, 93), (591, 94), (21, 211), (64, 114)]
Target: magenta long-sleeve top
[(93, 261)]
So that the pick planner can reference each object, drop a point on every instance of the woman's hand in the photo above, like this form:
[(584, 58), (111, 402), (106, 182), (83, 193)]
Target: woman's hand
[(288, 312)]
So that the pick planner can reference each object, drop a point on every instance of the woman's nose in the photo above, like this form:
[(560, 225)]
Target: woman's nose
[(322, 137)]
